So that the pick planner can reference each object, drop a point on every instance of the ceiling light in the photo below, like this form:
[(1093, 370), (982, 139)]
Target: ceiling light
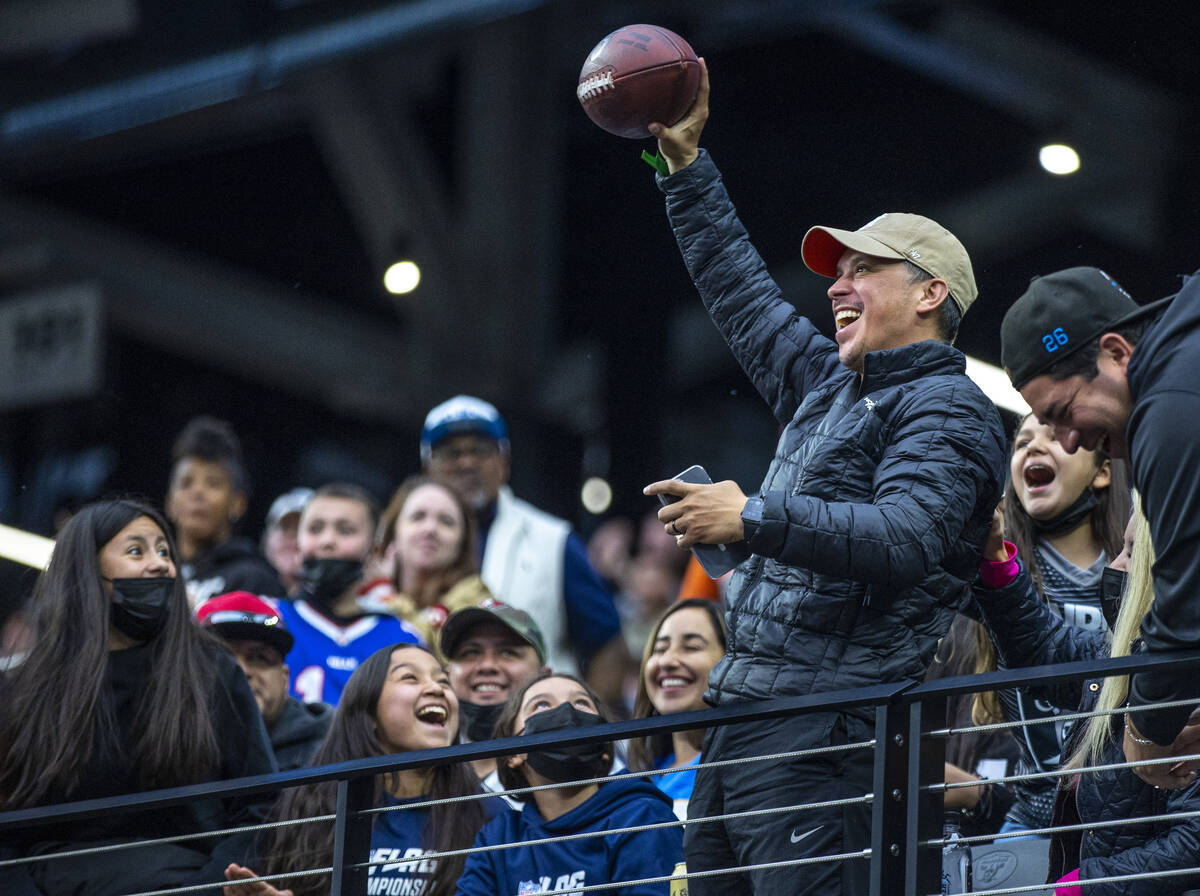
[(1058, 158), (402, 277)]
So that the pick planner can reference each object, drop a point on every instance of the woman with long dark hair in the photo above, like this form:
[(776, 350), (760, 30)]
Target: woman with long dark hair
[(564, 703), (687, 641), (398, 700), (120, 693)]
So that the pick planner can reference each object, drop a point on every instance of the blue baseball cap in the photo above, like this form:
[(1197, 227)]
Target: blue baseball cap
[(462, 415), (1061, 313)]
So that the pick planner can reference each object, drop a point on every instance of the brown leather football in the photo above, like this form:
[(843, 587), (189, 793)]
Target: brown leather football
[(636, 75)]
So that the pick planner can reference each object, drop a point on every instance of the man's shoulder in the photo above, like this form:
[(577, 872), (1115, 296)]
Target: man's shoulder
[(946, 386)]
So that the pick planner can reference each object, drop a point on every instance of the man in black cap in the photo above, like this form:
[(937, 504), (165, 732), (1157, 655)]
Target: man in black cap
[(259, 641), (1107, 373)]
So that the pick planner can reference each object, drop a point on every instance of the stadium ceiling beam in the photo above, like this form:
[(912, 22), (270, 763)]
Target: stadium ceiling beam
[(136, 98), (1126, 131), (212, 313)]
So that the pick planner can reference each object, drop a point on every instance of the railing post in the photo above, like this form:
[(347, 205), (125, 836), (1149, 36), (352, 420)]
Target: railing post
[(352, 835), (889, 818), (926, 764)]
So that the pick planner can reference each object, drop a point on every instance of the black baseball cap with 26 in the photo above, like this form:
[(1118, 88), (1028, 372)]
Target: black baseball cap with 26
[(1061, 313)]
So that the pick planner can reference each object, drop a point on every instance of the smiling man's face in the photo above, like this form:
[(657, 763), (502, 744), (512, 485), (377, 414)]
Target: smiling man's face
[(874, 304), (1091, 414)]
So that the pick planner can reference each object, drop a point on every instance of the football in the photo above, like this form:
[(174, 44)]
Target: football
[(636, 75)]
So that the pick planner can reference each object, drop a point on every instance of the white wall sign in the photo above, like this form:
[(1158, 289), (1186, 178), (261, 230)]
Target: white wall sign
[(50, 345)]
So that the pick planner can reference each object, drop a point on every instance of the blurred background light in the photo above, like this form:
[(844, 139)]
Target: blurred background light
[(1058, 158)]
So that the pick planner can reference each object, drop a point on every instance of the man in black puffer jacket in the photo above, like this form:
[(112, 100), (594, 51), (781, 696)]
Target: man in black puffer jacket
[(867, 529)]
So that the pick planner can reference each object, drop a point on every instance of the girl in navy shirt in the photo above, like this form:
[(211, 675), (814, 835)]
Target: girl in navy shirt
[(397, 701)]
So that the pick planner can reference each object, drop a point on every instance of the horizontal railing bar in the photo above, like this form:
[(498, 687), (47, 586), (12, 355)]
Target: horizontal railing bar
[(716, 872), (788, 863), (1061, 717), (653, 826), (942, 786), (750, 711), (627, 776), (1053, 673), (426, 804), (1061, 829)]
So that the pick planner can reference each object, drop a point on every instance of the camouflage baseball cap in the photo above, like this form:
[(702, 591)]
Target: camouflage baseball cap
[(520, 623)]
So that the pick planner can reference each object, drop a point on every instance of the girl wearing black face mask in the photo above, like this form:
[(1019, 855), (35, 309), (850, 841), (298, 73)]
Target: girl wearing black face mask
[(121, 692), (564, 703)]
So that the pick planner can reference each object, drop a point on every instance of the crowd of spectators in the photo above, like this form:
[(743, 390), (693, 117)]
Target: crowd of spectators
[(163, 649)]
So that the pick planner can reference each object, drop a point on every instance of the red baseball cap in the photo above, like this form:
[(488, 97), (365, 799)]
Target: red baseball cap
[(242, 616)]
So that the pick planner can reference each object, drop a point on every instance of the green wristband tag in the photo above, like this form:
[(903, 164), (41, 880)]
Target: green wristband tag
[(656, 161)]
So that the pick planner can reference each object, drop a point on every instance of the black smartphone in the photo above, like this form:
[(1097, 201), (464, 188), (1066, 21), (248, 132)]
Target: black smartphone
[(716, 559)]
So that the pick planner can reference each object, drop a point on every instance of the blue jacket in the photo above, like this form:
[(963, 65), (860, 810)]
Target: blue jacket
[(1027, 633), (577, 863), (879, 499)]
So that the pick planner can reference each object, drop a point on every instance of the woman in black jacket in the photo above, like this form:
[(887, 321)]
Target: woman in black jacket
[(1027, 633), (120, 693)]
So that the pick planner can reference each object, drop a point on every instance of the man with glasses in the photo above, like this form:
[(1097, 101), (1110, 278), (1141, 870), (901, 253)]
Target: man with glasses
[(530, 559)]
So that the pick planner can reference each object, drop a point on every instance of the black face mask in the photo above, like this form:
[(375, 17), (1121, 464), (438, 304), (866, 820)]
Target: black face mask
[(1069, 518), (1112, 586), (478, 720), (572, 762), (324, 579), (140, 606)]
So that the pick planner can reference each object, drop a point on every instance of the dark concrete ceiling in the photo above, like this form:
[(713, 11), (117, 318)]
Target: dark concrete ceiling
[(237, 173)]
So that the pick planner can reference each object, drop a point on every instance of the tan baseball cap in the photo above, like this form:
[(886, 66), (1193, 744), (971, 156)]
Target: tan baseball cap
[(898, 235)]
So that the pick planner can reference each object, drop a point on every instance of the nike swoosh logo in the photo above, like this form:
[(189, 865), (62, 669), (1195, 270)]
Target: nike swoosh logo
[(796, 838)]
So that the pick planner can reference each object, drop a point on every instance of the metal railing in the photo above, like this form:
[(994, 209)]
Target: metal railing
[(910, 732)]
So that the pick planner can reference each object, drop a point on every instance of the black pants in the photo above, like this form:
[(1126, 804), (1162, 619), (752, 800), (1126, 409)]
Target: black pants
[(784, 835)]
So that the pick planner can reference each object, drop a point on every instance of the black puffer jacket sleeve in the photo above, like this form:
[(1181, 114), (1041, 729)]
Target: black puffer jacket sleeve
[(1173, 849), (1027, 633), (783, 354)]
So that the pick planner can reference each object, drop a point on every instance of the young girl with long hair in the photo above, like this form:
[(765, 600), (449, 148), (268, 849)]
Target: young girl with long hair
[(399, 700), (121, 693), (564, 703), (1065, 514)]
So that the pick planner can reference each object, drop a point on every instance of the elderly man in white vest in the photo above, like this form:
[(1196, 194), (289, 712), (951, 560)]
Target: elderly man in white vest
[(530, 559)]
